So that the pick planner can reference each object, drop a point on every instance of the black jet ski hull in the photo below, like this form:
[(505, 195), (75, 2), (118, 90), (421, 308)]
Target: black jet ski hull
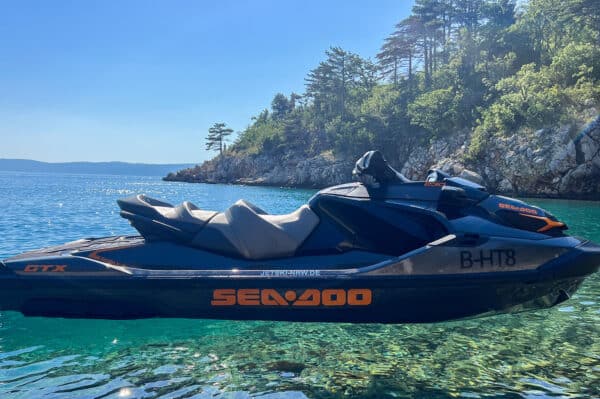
[(77, 287), (391, 303)]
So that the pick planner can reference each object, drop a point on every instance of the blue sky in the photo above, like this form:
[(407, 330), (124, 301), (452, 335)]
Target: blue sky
[(142, 81)]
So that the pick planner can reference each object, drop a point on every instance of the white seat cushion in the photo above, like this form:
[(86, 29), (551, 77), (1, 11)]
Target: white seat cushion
[(261, 236)]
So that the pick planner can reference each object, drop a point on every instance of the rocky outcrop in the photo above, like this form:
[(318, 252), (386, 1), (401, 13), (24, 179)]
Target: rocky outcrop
[(288, 170), (562, 162)]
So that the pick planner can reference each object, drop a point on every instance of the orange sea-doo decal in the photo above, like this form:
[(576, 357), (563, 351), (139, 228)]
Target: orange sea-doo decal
[(304, 298)]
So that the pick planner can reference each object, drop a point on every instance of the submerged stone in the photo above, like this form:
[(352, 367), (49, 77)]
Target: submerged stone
[(286, 366)]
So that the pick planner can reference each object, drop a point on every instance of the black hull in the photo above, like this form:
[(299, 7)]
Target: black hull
[(436, 283), (393, 300)]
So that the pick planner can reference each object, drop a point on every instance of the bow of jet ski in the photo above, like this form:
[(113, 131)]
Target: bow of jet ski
[(385, 250)]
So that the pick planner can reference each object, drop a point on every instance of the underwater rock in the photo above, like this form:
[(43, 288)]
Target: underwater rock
[(286, 366)]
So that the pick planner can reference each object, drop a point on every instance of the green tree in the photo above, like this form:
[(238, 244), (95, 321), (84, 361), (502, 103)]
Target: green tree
[(434, 21), (588, 13), (217, 135), (425, 14), (295, 99), (339, 82), (384, 114), (551, 25), (469, 14), (436, 111), (399, 50), (452, 64), (280, 106)]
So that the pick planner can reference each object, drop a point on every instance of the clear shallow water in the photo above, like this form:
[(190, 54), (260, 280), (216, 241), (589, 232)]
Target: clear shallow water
[(549, 353)]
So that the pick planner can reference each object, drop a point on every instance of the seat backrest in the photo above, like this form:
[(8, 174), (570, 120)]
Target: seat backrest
[(160, 220), (298, 224), (257, 236), (373, 170)]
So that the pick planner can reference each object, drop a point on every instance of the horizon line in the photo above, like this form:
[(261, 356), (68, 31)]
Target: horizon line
[(98, 162)]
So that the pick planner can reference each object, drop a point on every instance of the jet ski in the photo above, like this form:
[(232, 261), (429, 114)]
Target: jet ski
[(383, 249)]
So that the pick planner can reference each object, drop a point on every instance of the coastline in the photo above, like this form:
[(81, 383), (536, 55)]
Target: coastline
[(568, 197), (562, 162)]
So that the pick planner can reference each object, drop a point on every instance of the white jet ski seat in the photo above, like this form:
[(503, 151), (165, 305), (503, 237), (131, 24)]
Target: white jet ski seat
[(243, 230)]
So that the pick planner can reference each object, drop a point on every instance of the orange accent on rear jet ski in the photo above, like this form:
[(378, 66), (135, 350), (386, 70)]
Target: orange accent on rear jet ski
[(550, 224)]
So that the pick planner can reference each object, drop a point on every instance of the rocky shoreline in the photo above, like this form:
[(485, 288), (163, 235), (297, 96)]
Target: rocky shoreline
[(561, 162)]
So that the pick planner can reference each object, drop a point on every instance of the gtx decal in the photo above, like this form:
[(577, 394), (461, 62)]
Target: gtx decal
[(44, 268), (307, 297), (491, 258)]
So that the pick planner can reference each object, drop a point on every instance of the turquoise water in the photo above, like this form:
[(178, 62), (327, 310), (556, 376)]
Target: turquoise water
[(542, 354)]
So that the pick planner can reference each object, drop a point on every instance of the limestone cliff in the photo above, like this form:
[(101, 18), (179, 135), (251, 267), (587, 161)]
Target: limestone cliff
[(562, 162)]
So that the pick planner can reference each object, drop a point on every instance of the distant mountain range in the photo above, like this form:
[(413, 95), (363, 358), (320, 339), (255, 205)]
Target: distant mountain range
[(100, 168)]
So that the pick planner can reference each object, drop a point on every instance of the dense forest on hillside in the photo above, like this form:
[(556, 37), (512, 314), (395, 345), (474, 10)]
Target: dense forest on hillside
[(486, 66)]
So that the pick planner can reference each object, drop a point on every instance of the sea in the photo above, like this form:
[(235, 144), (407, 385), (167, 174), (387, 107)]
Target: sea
[(553, 353)]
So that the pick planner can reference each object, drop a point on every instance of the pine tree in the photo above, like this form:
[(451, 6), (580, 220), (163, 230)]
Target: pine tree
[(399, 50), (216, 137), (280, 106), (339, 81)]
